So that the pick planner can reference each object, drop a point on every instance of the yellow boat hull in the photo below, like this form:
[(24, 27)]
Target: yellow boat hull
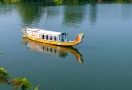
[(72, 43)]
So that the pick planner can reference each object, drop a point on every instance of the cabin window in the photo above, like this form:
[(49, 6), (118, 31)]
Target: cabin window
[(50, 37), (42, 36), (46, 37), (62, 37), (54, 38)]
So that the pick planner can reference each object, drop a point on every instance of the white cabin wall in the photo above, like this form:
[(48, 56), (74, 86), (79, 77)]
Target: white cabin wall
[(40, 36), (29, 32), (37, 35)]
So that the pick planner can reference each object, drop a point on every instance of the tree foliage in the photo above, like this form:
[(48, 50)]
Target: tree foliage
[(58, 2), (4, 77), (0, 52), (16, 83), (21, 82)]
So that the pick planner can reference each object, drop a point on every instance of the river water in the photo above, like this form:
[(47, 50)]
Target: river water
[(105, 55)]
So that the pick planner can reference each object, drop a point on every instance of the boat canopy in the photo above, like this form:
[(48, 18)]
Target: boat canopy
[(46, 32)]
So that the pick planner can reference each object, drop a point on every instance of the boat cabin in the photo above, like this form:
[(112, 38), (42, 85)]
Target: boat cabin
[(47, 35)]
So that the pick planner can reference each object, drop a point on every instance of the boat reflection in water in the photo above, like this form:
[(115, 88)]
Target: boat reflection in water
[(53, 49)]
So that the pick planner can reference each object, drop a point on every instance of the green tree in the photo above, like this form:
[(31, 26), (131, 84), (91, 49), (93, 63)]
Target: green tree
[(4, 77), (17, 82), (0, 52)]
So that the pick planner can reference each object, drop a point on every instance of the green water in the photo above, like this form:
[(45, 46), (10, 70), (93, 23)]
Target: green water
[(106, 49)]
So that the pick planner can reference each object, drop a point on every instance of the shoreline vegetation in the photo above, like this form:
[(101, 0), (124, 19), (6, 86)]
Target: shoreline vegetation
[(16, 82), (61, 2), (0, 52)]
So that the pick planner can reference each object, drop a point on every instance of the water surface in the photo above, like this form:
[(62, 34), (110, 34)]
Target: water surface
[(105, 50)]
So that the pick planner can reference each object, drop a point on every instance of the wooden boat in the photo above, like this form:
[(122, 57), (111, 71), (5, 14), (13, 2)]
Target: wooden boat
[(55, 50), (51, 37)]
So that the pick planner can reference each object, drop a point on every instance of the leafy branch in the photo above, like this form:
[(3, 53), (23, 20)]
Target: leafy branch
[(17, 82), (0, 52)]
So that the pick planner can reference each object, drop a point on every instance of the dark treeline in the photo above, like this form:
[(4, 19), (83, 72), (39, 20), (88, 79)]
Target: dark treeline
[(76, 0), (62, 1)]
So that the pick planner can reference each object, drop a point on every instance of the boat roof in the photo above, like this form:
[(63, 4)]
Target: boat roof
[(47, 32)]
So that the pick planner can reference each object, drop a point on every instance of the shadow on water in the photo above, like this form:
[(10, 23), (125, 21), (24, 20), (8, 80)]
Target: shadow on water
[(53, 49), (73, 12), (93, 14), (29, 12), (74, 15)]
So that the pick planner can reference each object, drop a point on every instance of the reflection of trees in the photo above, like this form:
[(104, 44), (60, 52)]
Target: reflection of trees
[(93, 12), (126, 9), (73, 16), (29, 12), (6, 8), (51, 12)]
